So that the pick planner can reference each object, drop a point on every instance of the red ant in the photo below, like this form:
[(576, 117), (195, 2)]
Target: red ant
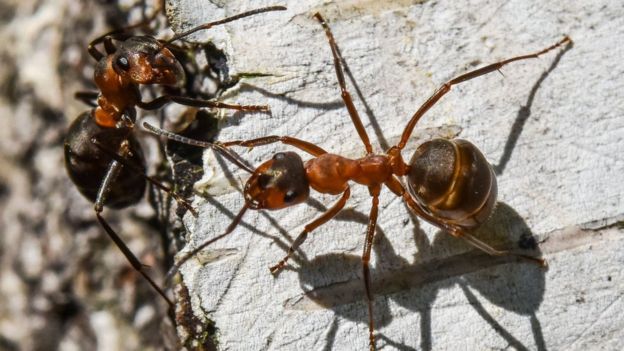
[(450, 184), (102, 156)]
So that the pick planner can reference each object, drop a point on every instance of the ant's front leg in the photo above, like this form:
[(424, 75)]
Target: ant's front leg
[(329, 214), (138, 170), (165, 99), (346, 97), (88, 97)]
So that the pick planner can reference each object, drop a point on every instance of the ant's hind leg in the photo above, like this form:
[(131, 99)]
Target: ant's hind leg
[(460, 233), (138, 170), (472, 240)]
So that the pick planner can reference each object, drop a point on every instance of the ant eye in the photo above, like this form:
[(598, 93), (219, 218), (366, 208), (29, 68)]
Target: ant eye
[(290, 195), (264, 180), (122, 62), (279, 156)]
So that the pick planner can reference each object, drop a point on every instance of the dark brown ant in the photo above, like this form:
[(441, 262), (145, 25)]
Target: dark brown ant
[(450, 184), (102, 156)]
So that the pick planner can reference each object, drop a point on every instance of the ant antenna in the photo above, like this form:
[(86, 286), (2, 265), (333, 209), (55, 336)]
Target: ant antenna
[(225, 152), (174, 269), (225, 20), (222, 150)]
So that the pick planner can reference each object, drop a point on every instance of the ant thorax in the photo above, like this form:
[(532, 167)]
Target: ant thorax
[(330, 173)]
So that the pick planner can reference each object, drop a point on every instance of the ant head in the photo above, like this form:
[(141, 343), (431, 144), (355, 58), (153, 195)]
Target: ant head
[(278, 183), (144, 60)]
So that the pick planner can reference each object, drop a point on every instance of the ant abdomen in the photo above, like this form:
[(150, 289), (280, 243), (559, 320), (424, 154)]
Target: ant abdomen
[(453, 181), (87, 162)]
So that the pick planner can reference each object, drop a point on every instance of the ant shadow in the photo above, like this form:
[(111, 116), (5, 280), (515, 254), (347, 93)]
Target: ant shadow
[(415, 285), (524, 113), (432, 275), (328, 106), (329, 279)]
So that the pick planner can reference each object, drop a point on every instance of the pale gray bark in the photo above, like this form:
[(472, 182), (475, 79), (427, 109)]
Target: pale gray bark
[(553, 126)]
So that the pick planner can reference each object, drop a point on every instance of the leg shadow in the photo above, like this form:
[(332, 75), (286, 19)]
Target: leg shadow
[(523, 115)]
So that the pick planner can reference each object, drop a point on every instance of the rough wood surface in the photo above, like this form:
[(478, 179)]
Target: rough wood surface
[(553, 127), (63, 284)]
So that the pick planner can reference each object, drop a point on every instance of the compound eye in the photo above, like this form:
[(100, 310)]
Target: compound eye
[(279, 156), (122, 62), (290, 196), (264, 180)]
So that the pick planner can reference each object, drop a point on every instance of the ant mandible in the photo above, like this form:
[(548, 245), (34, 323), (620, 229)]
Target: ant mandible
[(102, 156), (450, 184)]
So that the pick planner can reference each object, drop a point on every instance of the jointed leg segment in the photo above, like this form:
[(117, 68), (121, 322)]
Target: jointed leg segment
[(446, 87), (329, 214), (368, 244), (165, 99), (460, 233), (346, 97), (469, 238), (88, 97), (138, 170), (112, 173), (134, 261)]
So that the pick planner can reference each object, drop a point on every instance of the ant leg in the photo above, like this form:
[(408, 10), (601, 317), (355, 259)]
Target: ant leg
[(88, 97), (134, 261), (123, 161), (165, 99), (112, 173), (346, 97), (93, 51), (368, 244), (109, 46), (446, 87), (460, 233), (303, 145), (329, 214)]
